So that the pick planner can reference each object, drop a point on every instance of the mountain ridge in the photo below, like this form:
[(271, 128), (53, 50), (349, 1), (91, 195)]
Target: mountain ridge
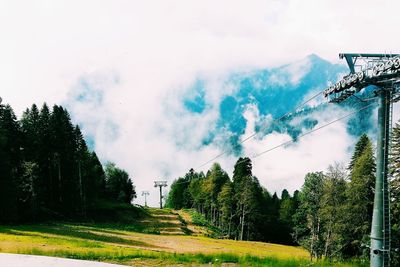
[(273, 92)]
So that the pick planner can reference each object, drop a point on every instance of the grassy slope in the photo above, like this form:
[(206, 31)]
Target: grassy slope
[(136, 244)]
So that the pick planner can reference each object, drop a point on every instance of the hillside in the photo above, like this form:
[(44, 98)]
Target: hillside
[(163, 237)]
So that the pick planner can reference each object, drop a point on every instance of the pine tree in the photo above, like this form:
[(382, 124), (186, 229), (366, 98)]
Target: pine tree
[(226, 207), (46, 181), (96, 189), (242, 169), (30, 182), (360, 198), (10, 163), (176, 194), (196, 191), (63, 147), (82, 165), (286, 210), (395, 222), (285, 194), (31, 133), (394, 163), (394, 169), (362, 143), (245, 204), (215, 179)]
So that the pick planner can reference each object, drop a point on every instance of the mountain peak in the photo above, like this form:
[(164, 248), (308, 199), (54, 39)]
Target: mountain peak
[(314, 57)]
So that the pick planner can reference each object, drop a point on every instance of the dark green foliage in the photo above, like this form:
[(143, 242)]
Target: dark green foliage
[(334, 216), (360, 199), (242, 169), (395, 223), (359, 149), (395, 153), (240, 209), (287, 208), (285, 194), (395, 195), (46, 169), (65, 183), (314, 217), (225, 201), (308, 231), (119, 186), (179, 195), (28, 191), (330, 216), (331, 211), (10, 157)]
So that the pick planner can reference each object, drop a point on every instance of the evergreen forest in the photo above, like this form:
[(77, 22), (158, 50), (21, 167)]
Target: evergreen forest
[(48, 172)]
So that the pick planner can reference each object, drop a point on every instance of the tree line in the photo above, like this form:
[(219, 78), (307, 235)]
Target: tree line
[(47, 170), (241, 208), (330, 215)]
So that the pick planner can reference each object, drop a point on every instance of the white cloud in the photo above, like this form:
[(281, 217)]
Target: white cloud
[(297, 70), (286, 166), (156, 48), (291, 73)]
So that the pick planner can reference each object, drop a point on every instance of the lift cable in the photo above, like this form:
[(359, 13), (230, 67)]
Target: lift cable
[(302, 135), (313, 130), (275, 121)]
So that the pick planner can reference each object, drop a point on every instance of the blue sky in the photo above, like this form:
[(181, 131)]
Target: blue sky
[(162, 86)]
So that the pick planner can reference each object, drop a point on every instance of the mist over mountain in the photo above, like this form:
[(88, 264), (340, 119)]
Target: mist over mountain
[(271, 93), (209, 114)]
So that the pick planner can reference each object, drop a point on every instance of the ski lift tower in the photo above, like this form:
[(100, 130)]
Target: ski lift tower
[(160, 184), (145, 194), (383, 72)]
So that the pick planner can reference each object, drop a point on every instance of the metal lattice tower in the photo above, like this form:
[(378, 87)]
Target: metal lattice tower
[(383, 72), (160, 184), (145, 194)]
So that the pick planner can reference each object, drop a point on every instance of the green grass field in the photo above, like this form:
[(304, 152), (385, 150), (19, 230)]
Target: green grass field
[(159, 239)]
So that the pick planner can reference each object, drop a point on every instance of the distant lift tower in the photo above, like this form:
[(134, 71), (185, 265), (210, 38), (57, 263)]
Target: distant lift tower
[(160, 184), (145, 194), (382, 71)]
